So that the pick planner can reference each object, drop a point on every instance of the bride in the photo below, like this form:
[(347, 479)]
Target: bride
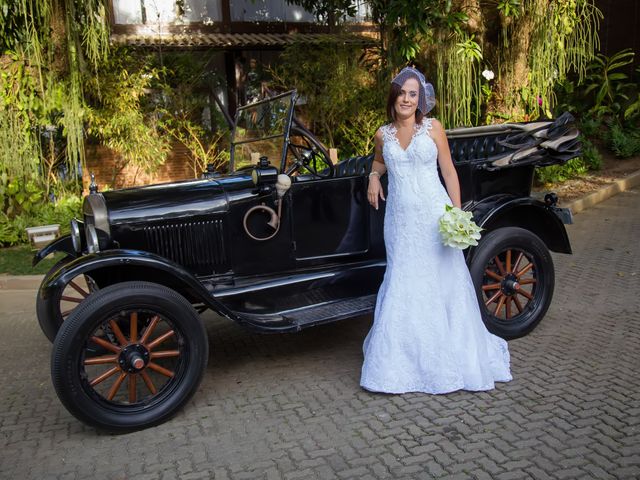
[(427, 335)]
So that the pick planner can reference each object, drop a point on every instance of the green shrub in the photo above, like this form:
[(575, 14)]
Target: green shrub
[(590, 160), (606, 88), (356, 135), (18, 196), (590, 155), (12, 229), (623, 142), (339, 89), (559, 173), (592, 127), (9, 233), (606, 102)]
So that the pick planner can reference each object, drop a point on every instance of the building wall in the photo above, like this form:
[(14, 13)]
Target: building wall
[(102, 162)]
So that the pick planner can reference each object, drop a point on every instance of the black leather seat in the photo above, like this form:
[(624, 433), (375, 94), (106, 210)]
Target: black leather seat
[(354, 166), (463, 150), (476, 149)]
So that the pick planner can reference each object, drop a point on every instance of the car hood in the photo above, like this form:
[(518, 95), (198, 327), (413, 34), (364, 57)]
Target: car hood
[(178, 200)]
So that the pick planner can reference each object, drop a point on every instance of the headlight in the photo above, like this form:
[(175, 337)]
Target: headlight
[(96, 215), (76, 240), (93, 245), (264, 173)]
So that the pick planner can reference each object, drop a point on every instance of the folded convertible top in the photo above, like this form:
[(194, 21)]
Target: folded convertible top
[(494, 147)]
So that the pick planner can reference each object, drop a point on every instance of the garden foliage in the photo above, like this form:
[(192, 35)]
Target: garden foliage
[(62, 85), (606, 103), (527, 46), (342, 102), (590, 160)]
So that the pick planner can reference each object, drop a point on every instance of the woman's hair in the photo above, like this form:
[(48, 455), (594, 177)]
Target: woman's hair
[(394, 93)]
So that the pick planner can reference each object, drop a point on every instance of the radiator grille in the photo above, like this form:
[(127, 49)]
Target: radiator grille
[(191, 244)]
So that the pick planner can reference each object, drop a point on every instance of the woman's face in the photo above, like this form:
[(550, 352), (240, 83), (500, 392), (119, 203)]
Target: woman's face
[(407, 102)]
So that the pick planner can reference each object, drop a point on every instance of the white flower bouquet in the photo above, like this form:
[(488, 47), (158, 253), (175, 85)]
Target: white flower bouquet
[(458, 228)]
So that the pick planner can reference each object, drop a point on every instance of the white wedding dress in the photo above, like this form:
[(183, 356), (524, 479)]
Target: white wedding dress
[(427, 335)]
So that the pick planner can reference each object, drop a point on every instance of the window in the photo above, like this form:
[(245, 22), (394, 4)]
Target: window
[(267, 11), (153, 12)]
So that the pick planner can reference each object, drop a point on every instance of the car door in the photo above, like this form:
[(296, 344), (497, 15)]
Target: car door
[(329, 218)]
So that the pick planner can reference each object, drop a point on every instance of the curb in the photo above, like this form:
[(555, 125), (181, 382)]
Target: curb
[(32, 282), (604, 193)]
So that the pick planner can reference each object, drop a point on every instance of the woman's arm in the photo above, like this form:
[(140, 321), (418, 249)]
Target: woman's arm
[(378, 168), (446, 163)]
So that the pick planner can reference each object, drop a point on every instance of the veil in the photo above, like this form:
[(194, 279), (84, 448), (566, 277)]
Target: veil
[(427, 96)]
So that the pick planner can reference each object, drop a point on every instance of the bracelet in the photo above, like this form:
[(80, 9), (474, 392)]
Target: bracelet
[(374, 172)]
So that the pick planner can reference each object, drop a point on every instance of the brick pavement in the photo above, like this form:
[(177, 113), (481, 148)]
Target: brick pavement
[(289, 406)]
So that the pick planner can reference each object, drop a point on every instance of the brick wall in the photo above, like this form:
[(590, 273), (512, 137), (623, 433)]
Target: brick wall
[(101, 161)]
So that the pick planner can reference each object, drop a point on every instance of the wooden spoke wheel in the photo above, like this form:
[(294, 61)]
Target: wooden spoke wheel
[(509, 283), (129, 356), (513, 274), (53, 309)]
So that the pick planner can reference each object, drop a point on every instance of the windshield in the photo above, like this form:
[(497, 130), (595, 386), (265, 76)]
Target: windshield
[(260, 130)]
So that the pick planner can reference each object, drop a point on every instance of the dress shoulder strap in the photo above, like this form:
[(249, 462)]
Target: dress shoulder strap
[(388, 133), (425, 126)]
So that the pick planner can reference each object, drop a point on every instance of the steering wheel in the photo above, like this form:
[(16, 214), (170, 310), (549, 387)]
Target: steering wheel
[(310, 154)]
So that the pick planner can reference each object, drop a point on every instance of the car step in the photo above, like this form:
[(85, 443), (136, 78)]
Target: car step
[(351, 307)]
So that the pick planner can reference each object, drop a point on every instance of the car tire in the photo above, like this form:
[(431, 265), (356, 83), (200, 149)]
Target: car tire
[(512, 271), (53, 310), (129, 356)]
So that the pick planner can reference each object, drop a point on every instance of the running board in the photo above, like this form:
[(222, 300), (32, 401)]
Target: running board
[(330, 312), (299, 318)]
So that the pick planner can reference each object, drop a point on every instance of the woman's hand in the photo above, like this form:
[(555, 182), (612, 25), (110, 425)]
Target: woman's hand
[(378, 168), (375, 191)]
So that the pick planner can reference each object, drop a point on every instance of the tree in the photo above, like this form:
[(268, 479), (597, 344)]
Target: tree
[(527, 45)]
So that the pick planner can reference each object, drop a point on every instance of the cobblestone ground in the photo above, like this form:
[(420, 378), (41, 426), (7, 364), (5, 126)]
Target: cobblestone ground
[(289, 406)]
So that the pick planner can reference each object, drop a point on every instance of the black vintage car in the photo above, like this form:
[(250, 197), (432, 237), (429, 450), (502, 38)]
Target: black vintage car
[(286, 240)]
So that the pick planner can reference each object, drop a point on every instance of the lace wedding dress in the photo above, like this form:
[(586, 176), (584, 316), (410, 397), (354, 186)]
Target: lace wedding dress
[(427, 335)]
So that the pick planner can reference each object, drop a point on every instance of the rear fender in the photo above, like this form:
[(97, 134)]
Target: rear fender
[(62, 244), (113, 266), (527, 213)]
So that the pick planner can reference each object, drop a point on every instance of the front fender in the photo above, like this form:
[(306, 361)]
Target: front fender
[(136, 265), (62, 244), (528, 213)]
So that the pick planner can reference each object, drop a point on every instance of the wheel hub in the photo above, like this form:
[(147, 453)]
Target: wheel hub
[(510, 284), (133, 358)]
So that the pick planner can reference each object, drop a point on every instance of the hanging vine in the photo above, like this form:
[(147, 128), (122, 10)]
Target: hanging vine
[(18, 142), (457, 58), (541, 42), (44, 52), (564, 39), (523, 48)]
